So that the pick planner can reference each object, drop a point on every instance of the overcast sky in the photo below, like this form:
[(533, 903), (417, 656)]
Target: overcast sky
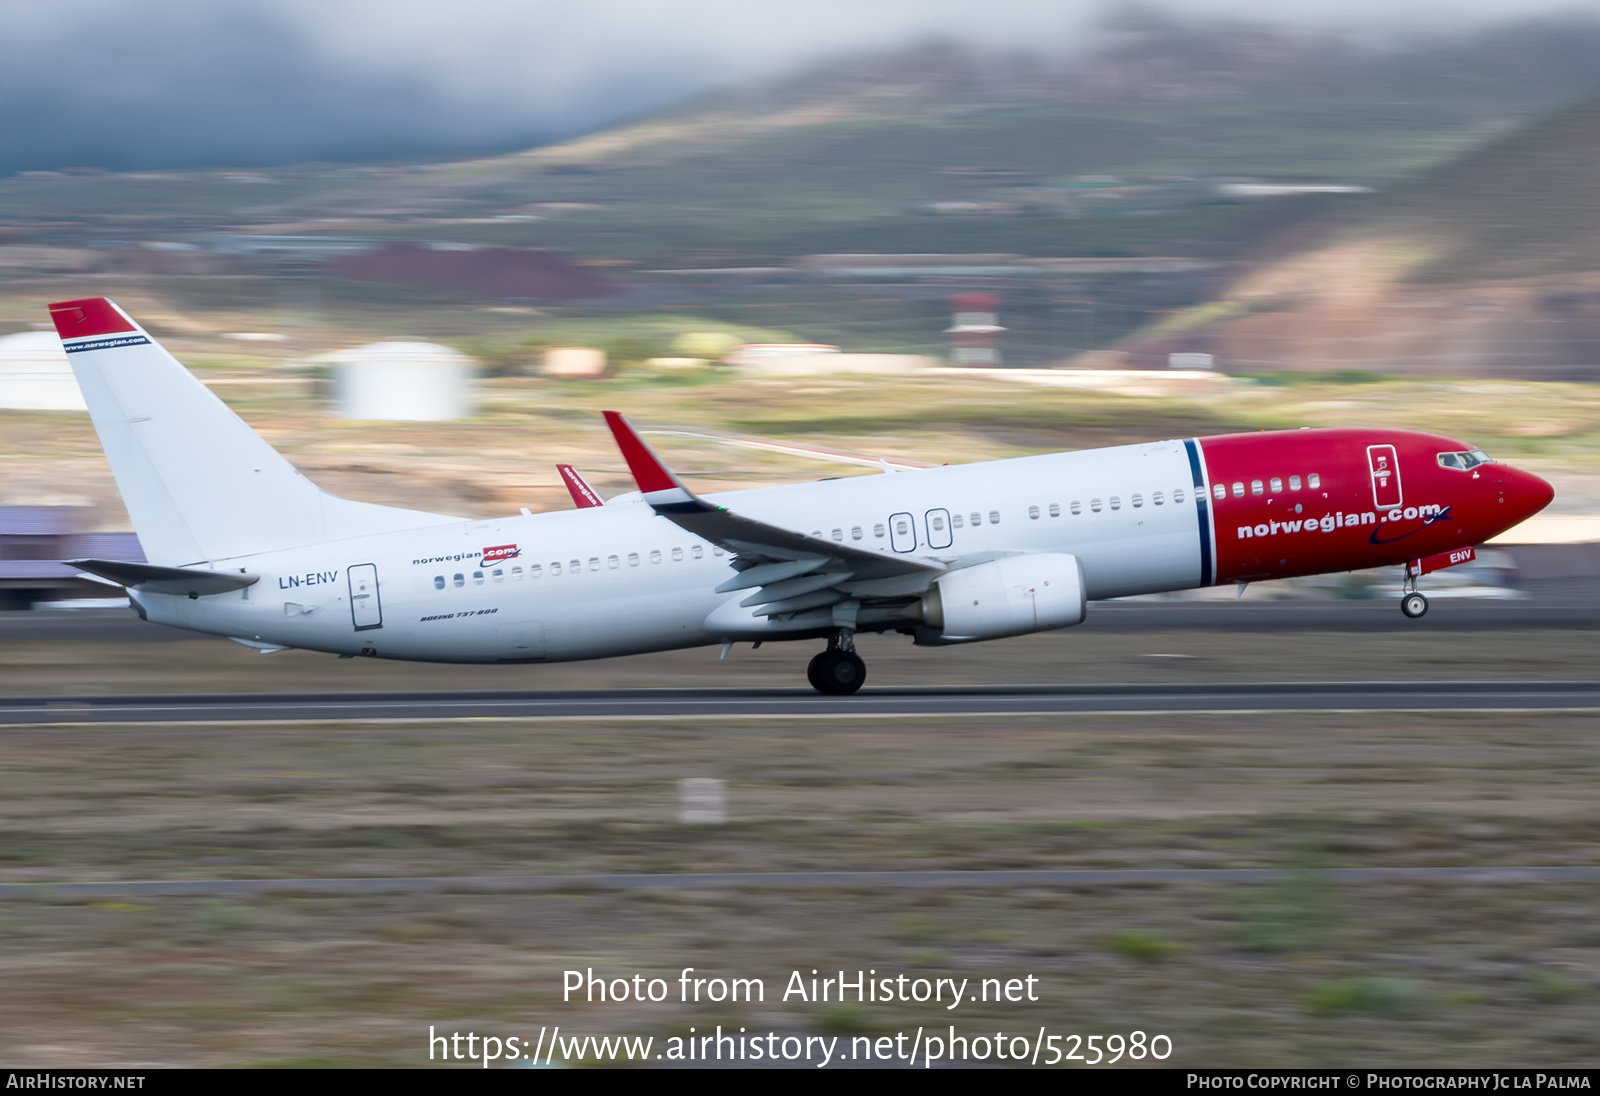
[(145, 83)]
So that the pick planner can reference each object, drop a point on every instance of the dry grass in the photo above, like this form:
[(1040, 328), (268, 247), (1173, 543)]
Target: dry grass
[(1299, 973)]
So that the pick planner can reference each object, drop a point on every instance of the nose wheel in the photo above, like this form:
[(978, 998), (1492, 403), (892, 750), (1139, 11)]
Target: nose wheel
[(838, 671), (1414, 605)]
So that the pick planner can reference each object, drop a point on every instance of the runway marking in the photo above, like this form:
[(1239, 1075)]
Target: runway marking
[(1049, 877), (723, 717), (711, 705)]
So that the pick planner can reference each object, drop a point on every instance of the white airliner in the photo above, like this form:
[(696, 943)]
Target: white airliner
[(240, 544)]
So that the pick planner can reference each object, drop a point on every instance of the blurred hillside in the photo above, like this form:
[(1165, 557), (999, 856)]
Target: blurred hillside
[(1133, 149), (1486, 265)]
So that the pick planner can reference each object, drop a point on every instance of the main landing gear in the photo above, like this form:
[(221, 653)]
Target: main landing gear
[(838, 671)]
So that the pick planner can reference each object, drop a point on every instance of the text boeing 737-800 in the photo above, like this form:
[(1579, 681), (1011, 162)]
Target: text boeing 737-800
[(239, 544)]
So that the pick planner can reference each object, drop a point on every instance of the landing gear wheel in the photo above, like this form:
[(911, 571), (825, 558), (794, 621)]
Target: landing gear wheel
[(837, 673), (1414, 605), (814, 668)]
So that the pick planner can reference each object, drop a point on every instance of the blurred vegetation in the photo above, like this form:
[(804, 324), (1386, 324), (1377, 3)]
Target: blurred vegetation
[(1384, 994), (1143, 946), (1295, 915)]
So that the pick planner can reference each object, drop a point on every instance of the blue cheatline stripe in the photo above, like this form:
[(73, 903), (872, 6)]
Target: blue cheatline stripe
[(1201, 503), (105, 344)]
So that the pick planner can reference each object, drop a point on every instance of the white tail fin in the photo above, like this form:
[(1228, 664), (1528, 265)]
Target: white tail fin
[(199, 484)]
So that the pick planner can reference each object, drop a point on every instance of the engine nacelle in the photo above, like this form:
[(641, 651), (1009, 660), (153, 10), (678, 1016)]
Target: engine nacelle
[(1010, 596)]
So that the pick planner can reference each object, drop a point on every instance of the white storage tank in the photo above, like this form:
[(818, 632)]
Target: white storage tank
[(402, 382), (34, 374)]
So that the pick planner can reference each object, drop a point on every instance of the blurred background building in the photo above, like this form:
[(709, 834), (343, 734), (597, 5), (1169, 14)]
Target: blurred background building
[(402, 381), (35, 375)]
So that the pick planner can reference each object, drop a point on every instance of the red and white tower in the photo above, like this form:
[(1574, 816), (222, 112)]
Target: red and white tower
[(974, 331)]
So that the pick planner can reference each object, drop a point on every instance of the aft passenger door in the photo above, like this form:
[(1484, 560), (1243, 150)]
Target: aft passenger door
[(366, 610), (903, 532)]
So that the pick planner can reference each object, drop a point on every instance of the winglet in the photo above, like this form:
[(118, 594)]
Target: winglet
[(661, 489), (583, 496), (91, 316)]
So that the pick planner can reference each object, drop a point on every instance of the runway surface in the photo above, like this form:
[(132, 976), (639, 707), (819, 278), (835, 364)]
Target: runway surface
[(1000, 700), (1046, 877)]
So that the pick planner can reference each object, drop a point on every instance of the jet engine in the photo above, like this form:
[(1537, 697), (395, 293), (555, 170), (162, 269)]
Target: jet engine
[(1010, 596)]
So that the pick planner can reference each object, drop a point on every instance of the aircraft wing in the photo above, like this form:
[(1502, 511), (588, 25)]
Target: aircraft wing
[(790, 572)]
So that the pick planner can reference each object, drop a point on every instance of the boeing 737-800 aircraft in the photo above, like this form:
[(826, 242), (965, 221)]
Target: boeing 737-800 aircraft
[(240, 545)]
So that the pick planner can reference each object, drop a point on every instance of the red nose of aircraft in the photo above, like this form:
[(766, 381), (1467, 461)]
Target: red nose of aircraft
[(1522, 494)]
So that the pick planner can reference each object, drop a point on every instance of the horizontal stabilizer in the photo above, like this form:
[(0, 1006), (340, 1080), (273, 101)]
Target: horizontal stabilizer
[(187, 581)]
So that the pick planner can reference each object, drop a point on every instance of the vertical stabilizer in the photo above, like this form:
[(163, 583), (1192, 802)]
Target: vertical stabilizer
[(198, 482)]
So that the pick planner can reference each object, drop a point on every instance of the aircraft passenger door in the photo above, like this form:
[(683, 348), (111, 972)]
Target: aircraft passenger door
[(1384, 464), (366, 611), (938, 528), (903, 532)]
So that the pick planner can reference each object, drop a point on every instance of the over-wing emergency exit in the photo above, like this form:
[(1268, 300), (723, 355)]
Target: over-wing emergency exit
[(239, 544)]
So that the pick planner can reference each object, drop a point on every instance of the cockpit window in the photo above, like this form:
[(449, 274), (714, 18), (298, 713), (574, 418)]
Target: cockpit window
[(1461, 462)]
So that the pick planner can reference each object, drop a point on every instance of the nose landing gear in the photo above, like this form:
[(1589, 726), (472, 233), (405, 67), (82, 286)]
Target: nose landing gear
[(838, 671), (1412, 604)]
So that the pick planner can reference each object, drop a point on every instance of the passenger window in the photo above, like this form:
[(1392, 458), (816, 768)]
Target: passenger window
[(877, 530), (633, 559), (697, 551), (976, 519), (1094, 504), (555, 567), (655, 555), (1137, 501), (516, 572), (1055, 509), (1220, 490), (613, 562), (459, 579), (855, 534), (1277, 485), (1155, 497), (1255, 487), (477, 578), (937, 521), (498, 574), (957, 521), (994, 517), (838, 534), (438, 582), (535, 571), (1033, 513), (1076, 507), (574, 566), (1238, 490), (902, 528), (1116, 503), (1314, 481), (1177, 497), (677, 554), (1294, 483), (719, 553)]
